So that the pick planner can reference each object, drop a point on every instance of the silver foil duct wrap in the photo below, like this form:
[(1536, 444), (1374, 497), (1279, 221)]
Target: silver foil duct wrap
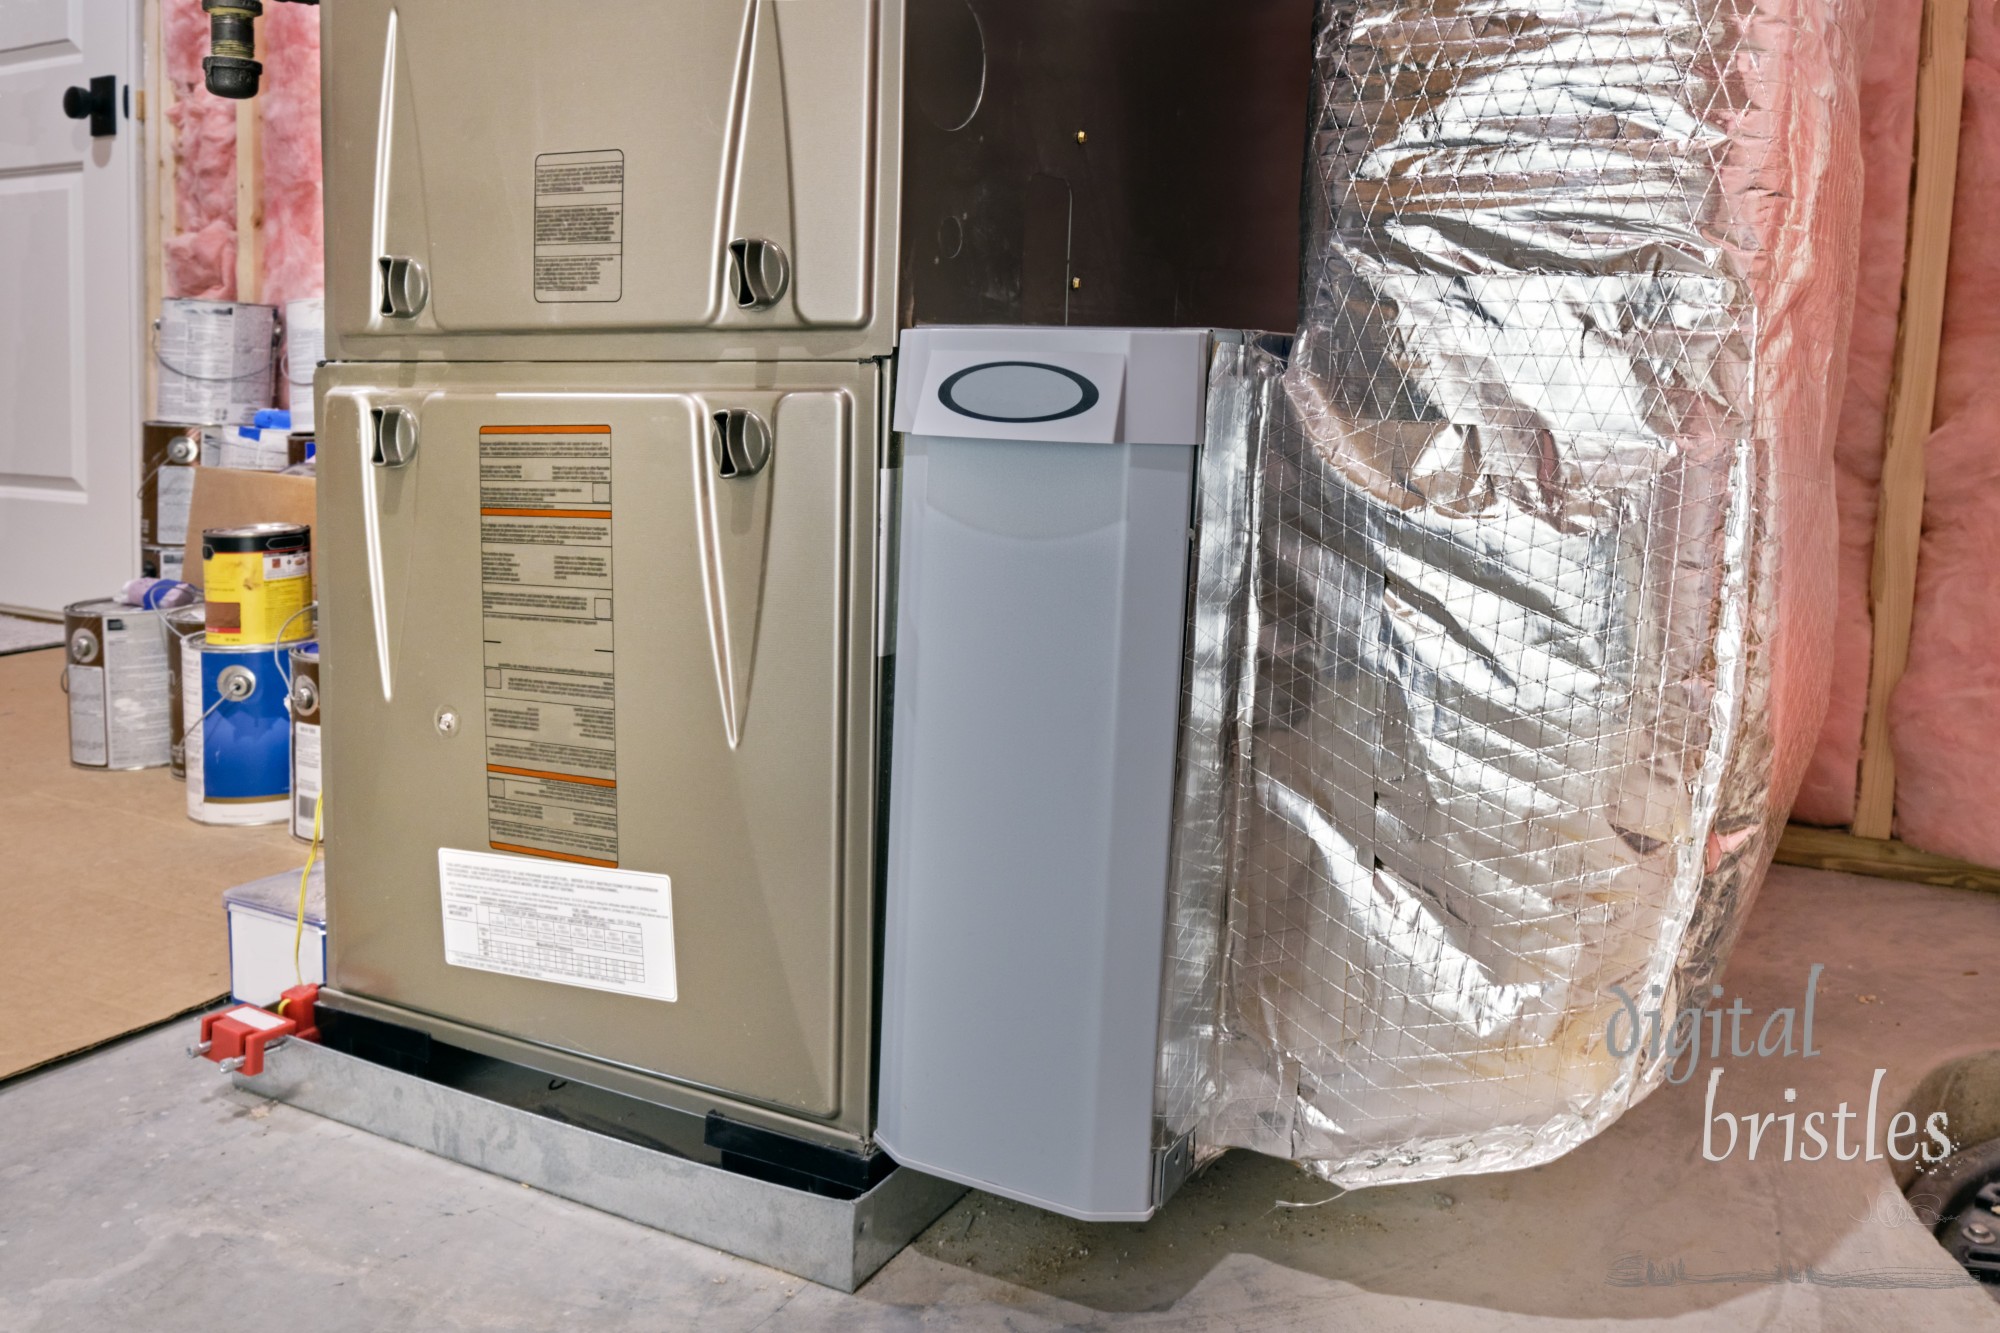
[(1515, 575)]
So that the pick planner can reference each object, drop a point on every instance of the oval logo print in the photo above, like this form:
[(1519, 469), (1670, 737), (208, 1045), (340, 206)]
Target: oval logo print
[(1022, 393)]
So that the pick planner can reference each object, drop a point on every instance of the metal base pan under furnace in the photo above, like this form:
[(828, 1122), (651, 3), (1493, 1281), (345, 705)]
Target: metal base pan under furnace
[(609, 1152)]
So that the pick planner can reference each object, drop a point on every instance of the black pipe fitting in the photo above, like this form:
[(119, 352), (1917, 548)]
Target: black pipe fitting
[(232, 69)]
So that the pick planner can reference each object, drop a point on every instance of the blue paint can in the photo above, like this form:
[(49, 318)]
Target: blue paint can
[(239, 752)]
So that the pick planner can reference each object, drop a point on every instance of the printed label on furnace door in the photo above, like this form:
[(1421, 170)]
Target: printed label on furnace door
[(601, 929), (580, 226), (551, 682)]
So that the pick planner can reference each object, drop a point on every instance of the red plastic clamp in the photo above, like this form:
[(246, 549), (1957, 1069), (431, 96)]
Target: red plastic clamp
[(237, 1038), (300, 1004)]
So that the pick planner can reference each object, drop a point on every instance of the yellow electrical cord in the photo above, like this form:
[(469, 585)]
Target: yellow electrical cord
[(299, 928)]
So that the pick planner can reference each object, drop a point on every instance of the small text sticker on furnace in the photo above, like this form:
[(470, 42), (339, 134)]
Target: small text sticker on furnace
[(550, 642), (580, 226), (609, 930)]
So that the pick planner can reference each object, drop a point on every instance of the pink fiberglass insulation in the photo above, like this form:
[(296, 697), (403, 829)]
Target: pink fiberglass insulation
[(1888, 128), (1945, 718), (201, 256), (294, 264)]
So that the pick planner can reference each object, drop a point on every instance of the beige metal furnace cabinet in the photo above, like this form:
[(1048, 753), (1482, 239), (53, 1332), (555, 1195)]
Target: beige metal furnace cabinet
[(613, 303), (774, 180), (562, 635)]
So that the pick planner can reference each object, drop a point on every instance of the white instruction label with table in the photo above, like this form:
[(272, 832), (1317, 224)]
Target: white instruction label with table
[(610, 930)]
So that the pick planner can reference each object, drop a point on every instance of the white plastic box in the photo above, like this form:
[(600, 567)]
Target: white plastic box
[(263, 919)]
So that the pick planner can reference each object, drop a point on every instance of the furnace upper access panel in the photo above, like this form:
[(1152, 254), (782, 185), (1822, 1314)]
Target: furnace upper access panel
[(545, 184)]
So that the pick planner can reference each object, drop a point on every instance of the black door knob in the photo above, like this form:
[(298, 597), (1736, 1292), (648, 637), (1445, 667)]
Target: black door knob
[(99, 102)]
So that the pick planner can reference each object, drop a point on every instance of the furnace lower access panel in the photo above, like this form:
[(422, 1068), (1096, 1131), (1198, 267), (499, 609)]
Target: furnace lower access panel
[(606, 708)]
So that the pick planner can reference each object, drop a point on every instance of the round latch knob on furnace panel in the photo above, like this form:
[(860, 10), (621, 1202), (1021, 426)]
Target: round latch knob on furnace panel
[(759, 274), (406, 288), (395, 436), (742, 443)]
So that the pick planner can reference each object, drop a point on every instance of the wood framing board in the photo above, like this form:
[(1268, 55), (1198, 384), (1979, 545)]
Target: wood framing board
[(1884, 858), (1912, 400), (250, 193), (151, 100)]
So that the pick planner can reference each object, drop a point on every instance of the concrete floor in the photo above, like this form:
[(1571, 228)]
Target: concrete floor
[(139, 1190)]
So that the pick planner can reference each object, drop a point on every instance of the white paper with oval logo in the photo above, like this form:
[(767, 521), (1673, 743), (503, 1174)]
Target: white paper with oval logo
[(1071, 396)]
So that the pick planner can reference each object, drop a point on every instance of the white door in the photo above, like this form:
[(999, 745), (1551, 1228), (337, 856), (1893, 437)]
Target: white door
[(70, 323)]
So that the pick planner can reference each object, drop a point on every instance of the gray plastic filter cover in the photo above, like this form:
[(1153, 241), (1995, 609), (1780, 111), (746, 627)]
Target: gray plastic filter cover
[(1046, 493)]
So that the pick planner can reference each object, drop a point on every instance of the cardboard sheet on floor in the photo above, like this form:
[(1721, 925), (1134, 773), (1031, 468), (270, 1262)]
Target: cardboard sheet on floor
[(111, 913)]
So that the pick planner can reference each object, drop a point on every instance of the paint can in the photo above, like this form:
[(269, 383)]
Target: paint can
[(117, 682), (163, 562), (305, 739), (239, 745), (183, 630), (169, 455), (305, 348), (216, 361), (258, 582), (188, 687)]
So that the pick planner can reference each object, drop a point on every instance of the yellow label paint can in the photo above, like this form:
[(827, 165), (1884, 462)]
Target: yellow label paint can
[(258, 582)]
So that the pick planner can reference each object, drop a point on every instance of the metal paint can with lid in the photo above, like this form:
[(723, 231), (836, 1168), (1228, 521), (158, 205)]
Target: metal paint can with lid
[(182, 629), (305, 739), (217, 359), (239, 743), (169, 456), (163, 562), (116, 675), (258, 582)]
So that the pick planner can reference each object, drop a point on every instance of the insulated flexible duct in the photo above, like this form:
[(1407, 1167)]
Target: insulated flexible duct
[(1515, 574)]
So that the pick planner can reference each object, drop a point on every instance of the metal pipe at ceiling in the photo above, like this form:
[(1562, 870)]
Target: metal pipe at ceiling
[(231, 68)]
